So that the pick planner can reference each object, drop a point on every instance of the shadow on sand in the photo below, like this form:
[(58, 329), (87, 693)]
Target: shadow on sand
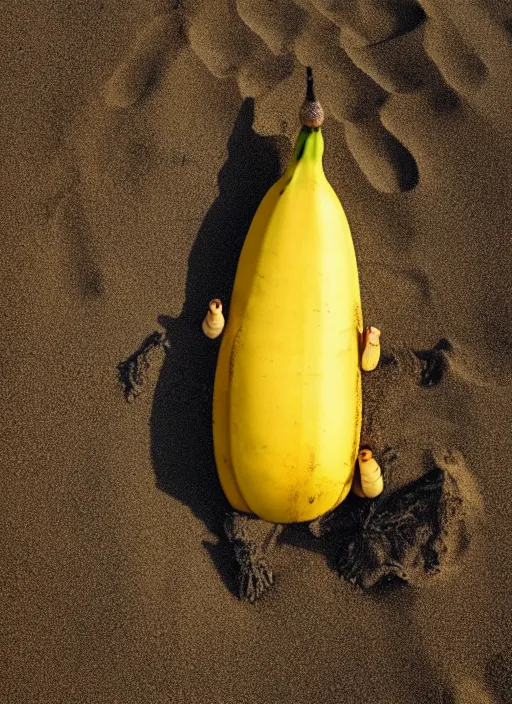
[(181, 435)]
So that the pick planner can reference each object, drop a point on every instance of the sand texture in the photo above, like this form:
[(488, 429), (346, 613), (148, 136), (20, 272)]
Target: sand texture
[(138, 140)]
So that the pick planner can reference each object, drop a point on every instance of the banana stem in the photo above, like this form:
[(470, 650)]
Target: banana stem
[(311, 113), (299, 145), (310, 95)]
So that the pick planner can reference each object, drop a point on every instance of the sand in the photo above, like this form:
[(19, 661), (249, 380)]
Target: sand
[(138, 140)]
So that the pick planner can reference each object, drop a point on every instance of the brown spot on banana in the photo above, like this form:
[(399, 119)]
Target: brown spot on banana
[(359, 415), (234, 351), (358, 317)]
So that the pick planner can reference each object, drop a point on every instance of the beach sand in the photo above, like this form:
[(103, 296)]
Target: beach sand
[(138, 140)]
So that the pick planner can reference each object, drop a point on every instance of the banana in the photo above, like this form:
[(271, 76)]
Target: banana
[(287, 393)]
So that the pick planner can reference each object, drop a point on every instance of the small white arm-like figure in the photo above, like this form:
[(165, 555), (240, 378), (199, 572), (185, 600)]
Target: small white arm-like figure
[(213, 323), (368, 482), (371, 350)]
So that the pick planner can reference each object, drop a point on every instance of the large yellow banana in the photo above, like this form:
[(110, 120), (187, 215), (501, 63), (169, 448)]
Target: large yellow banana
[(287, 395)]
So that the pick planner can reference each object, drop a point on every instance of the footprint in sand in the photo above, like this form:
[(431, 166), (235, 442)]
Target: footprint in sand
[(141, 70), (70, 222), (365, 53), (405, 48)]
